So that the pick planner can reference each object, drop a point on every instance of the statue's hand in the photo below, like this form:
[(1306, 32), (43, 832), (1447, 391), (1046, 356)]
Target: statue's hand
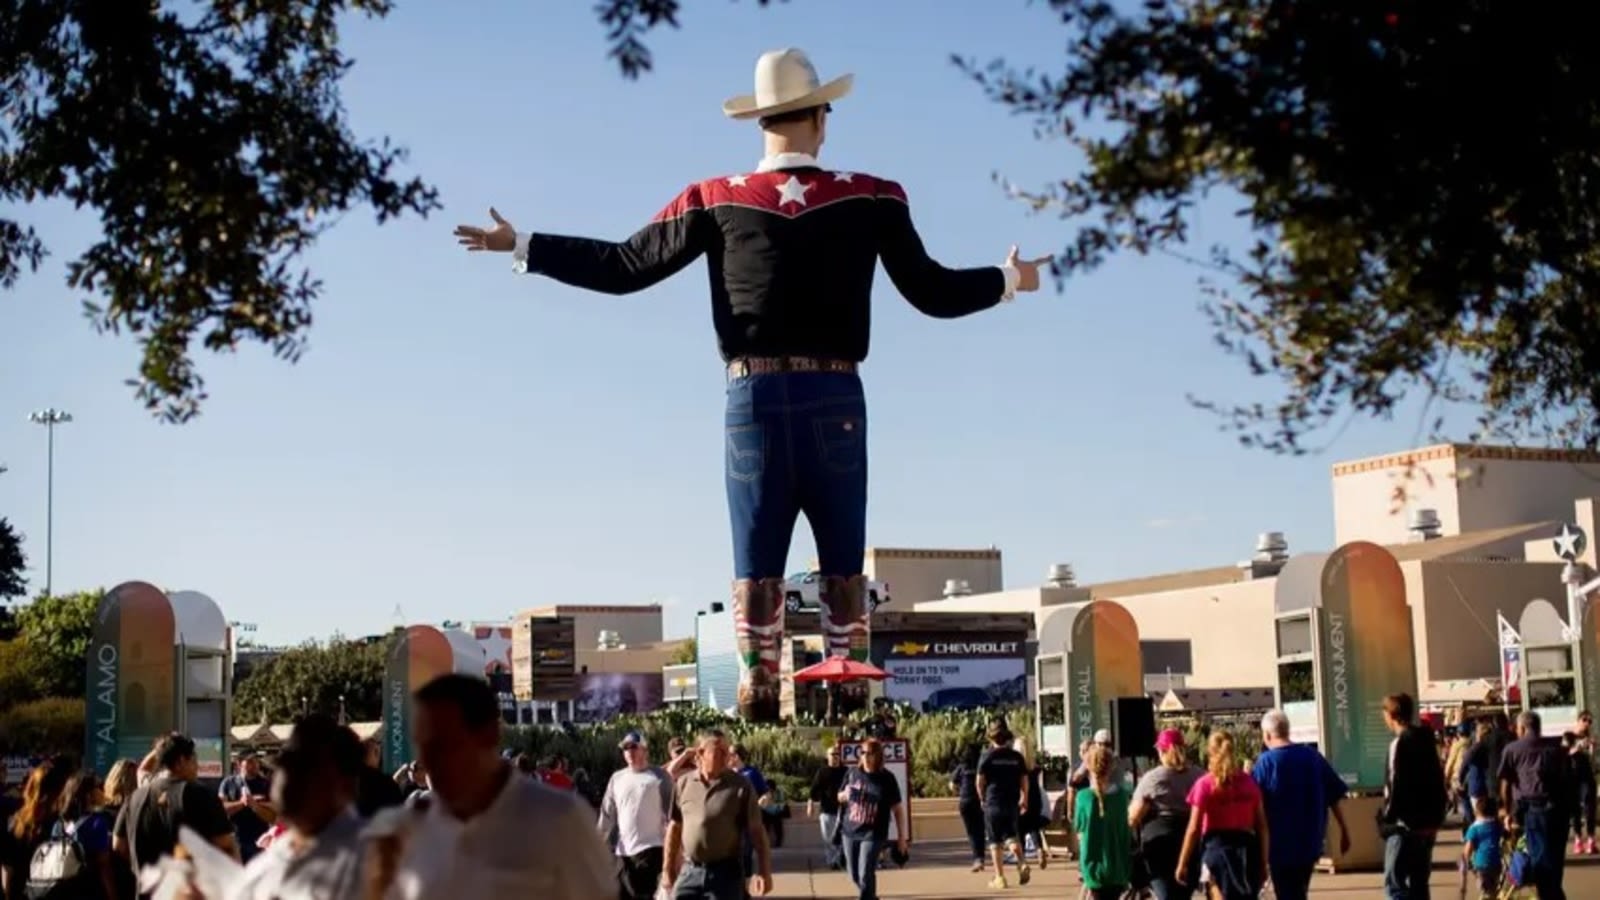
[(501, 238), (1028, 268)]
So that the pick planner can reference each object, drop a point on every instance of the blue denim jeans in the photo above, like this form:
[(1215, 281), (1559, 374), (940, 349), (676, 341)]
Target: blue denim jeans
[(861, 861), (796, 442), (830, 840), (1292, 882), (1546, 830), (1407, 865), (719, 881)]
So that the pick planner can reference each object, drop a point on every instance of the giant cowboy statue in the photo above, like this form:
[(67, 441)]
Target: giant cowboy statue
[(791, 249)]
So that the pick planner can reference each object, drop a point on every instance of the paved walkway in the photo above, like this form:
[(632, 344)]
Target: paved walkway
[(939, 871)]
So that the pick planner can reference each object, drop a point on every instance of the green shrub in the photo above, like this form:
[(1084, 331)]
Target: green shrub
[(51, 725), (788, 756)]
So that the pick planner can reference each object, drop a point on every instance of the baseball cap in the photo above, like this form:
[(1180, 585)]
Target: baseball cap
[(1102, 736), (632, 739), (1169, 739)]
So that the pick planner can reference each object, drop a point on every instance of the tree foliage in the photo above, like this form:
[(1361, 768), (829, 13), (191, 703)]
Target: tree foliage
[(13, 563), (1424, 219), (628, 21), (47, 726), (211, 141), (19, 679), (688, 652), (312, 677), (55, 632)]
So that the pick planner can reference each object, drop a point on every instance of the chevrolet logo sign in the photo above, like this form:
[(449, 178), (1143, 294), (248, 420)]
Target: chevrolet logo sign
[(552, 655), (909, 648)]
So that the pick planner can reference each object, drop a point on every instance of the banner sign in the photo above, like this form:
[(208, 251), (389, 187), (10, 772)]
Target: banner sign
[(1588, 662), (132, 675), (897, 762), (603, 696), (421, 654), (544, 658), (955, 671), (1365, 652), (1104, 662)]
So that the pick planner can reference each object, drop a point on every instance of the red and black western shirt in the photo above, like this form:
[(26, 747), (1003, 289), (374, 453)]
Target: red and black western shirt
[(791, 254)]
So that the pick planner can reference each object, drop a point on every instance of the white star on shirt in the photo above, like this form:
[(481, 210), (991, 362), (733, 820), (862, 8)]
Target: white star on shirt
[(793, 191), (843, 176), (737, 180)]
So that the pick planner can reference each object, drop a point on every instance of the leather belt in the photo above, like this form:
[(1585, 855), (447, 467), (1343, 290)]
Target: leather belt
[(772, 365)]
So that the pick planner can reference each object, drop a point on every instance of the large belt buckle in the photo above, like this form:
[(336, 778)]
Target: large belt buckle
[(739, 368)]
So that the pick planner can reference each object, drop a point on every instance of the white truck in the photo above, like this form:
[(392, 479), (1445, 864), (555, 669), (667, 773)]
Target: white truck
[(802, 592)]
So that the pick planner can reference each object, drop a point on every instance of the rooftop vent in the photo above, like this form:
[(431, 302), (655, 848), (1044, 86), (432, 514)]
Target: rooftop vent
[(1061, 576), (1423, 524), (1272, 552), (956, 587)]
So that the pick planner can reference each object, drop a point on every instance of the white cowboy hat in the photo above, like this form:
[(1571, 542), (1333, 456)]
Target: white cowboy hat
[(785, 81)]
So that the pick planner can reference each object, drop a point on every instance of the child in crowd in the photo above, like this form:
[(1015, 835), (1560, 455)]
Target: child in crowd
[(1480, 849)]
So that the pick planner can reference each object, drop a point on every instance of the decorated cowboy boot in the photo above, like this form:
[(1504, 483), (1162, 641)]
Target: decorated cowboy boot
[(847, 629), (758, 635)]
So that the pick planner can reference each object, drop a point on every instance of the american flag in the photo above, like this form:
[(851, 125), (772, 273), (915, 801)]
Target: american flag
[(1510, 660)]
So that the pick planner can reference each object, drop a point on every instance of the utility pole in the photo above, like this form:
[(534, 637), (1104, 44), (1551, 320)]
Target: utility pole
[(49, 418)]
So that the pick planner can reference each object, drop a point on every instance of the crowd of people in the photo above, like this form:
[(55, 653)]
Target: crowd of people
[(463, 820)]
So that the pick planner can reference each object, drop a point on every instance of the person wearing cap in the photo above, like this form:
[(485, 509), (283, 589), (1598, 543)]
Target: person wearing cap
[(1160, 812), (246, 798), (1079, 779), (680, 758), (1000, 783), (633, 816), (792, 248)]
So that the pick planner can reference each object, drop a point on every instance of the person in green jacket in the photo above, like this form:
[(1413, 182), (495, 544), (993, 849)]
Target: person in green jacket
[(1105, 842)]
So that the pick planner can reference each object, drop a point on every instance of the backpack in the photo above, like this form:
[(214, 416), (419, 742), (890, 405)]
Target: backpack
[(60, 868)]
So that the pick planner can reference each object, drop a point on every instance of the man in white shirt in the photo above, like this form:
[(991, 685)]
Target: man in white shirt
[(637, 803), (319, 856), (484, 831)]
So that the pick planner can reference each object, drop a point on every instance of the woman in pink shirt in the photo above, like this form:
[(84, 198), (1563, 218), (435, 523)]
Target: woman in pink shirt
[(1228, 824)]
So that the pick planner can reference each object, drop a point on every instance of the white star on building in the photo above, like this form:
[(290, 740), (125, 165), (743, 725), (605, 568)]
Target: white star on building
[(793, 191), (1568, 542), (497, 647)]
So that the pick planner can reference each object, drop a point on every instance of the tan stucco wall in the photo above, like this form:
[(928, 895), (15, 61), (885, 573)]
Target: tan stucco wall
[(916, 575), (1501, 492), (1453, 607), (633, 625), (1471, 488), (1230, 629), (1364, 498), (648, 659)]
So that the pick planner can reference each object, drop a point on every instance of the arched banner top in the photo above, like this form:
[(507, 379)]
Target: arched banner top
[(1299, 584), (200, 622)]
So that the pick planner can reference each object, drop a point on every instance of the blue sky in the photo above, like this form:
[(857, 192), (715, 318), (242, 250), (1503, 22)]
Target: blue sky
[(461, 442)]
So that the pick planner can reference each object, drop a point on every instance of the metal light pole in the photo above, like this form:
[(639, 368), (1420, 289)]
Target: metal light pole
[(49, 418)]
